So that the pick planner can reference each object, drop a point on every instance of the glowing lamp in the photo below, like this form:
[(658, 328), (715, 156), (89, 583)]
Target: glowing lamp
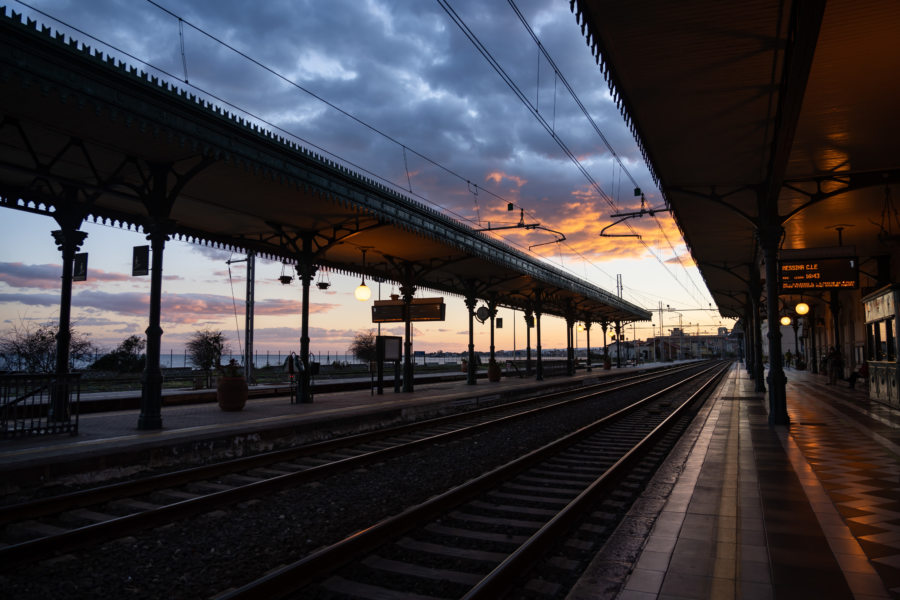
[(785, 320), (363, 292), (802, 308)]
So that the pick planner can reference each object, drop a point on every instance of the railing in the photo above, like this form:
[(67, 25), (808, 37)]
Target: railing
[(39, 404)]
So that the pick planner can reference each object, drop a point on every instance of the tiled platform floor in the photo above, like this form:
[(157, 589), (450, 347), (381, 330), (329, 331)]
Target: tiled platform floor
[(744, 510)]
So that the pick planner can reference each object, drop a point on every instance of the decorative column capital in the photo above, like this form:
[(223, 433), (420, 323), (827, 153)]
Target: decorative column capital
[(407, 291), (305, 273), (69, 239), (159, 230)]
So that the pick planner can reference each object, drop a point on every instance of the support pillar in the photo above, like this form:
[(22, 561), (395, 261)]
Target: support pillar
[(68, 240), (539, 371), (748, 337), (770, 236), (471, 375), (492, 309), (759, 369), (835, 306), (570, 345), (618, 344), (151, 378), (407, 290), (813, 354), (305, 273), (604, 325), (248, 316), (587, 329), (529, 322)]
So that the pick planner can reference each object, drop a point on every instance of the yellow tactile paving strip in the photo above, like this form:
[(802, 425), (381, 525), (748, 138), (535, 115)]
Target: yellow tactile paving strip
[(814, 509)]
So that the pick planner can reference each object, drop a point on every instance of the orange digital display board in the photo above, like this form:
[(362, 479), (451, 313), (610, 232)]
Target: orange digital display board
[(421, 309), (835, 273)]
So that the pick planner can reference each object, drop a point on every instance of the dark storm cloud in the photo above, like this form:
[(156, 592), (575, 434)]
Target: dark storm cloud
[(46, 277), (407, 70)]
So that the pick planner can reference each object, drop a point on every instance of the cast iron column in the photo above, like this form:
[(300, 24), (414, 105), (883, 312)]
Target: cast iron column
[(813, 357), (759, 369), (539, 371), (305, 273), (570, 349), (471, 375), (151, 378), (250, 306), (407, 290), (835, 307), (492, 310), (68, 240), (748, 337), (529, 321), (618, 344), (770, 237), (587, 329)]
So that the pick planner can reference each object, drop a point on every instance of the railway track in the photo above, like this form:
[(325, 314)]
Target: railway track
[(523, 527), (63, 523)]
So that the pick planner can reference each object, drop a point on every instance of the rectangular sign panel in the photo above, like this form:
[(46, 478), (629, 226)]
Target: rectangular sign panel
[(421, 309), (79, 267), (140, 260), (389, 347), (836, 273)]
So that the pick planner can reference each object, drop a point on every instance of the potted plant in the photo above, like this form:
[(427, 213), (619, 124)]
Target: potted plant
[(494, 372), (231, 389)]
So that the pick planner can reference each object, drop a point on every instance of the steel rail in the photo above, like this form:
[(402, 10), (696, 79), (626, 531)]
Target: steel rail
[(97, 495), (496, 583), (119, 526), (297, 575)]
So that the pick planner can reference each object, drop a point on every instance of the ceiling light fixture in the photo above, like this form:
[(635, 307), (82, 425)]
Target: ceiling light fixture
[(363, 292)]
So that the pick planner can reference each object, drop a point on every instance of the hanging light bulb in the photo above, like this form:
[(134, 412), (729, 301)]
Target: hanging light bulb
[(363, 292), (802, 308), (785, 320)]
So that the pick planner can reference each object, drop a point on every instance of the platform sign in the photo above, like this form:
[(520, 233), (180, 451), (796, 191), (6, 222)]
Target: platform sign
[(389, 347), (833, 273), (421, 309), (79, 267), (140, 260)]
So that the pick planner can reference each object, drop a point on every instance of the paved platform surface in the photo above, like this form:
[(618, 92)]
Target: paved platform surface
[(111, 440), (745, 510)]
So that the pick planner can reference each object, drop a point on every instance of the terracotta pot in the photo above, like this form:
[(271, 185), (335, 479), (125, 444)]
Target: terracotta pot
[(231, 393), (494, 372)]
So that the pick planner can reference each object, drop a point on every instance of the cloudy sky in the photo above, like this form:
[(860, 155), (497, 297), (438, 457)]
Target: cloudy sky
[(395, 89)]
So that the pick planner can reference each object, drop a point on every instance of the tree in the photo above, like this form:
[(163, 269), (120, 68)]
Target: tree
[(33, 348), (363, 346), (205, 349), (128, 357)]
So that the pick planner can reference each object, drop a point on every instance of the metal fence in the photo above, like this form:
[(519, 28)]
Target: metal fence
[(39, 404)]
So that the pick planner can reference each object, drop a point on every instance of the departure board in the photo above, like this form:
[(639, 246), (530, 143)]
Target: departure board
[(834, 273), (421, 309)]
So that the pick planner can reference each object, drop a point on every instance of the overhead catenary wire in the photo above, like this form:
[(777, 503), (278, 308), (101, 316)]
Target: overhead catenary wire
[(561, 77), (472, 187), (482, 49), (182, 22)]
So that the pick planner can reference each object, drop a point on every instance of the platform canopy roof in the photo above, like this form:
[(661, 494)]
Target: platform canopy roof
[(736, 102), (83, 135)]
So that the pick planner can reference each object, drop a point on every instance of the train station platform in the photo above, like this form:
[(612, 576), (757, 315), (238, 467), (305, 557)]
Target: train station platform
[(744, 510), (109, 445)]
